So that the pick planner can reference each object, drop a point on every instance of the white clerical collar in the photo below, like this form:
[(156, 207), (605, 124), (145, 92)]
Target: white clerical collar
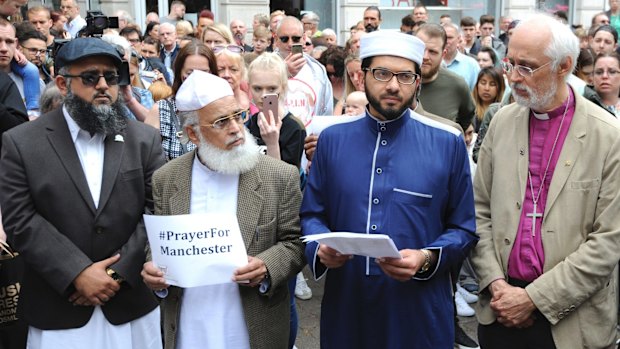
[(540, 116)]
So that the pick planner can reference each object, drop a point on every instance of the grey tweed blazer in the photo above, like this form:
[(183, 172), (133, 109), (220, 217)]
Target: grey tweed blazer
[(268, 212)]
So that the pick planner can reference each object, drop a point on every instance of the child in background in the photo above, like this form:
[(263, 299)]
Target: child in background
[(355, 103)]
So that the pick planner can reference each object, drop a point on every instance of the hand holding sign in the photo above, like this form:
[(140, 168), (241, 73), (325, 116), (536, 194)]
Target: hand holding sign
[(254, 272), (195, 250)]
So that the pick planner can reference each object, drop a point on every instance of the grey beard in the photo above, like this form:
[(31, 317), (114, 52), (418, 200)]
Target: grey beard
[(238, 160), (105, 119)]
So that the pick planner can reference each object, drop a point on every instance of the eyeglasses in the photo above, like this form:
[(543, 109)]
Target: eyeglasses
[(309, 43), (284, 39), (92, 79), (224, 122), (231, 48), (385, 75), (524, 71), (610, 72), (35, 51)]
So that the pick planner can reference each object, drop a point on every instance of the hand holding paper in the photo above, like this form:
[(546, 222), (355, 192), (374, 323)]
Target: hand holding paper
[(405, 268), (332, 258), (371, 245)]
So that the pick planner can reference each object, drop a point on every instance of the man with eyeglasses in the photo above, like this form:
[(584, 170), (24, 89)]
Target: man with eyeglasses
[(547, 200), (132, 34), (310, 92), (226, 174), (394, 172), (33, 45), (75, 183)]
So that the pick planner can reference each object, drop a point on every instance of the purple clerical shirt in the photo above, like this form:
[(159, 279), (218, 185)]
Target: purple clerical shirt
[(528, 256)]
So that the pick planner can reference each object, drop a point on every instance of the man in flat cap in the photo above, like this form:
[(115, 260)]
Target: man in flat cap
[(74, 186), (398, 173), (227, 175)]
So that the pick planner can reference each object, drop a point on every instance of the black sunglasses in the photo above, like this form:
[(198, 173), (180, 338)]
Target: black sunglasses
[(92, 79), (284, 39)]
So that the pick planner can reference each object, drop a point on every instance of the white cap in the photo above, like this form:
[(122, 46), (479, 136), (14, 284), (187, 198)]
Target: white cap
[(199, 89), (390, 43)]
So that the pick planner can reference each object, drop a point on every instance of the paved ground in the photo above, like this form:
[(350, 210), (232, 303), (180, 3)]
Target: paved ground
[(310, 312)]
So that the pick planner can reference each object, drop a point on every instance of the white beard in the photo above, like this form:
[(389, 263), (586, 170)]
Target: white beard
[(535, 102), (240, 159)]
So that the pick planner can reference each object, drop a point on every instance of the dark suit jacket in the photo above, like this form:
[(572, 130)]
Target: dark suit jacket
[(12, 108), (50, 217), (268, 213)]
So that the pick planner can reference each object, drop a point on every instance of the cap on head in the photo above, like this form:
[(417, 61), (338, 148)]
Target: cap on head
[(80, 48), (200, 89), (388, 43)]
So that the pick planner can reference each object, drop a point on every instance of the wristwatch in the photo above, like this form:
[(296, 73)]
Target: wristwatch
[(114, 275), (427, 261)]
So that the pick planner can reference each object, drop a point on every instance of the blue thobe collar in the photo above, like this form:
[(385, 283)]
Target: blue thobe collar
[(386, 126)]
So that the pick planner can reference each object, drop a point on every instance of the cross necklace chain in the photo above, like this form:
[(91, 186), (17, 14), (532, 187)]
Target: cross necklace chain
[(535, 214)]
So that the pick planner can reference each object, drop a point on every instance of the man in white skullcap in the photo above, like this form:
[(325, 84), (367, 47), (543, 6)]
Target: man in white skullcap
[(227, 174), (397, 173)]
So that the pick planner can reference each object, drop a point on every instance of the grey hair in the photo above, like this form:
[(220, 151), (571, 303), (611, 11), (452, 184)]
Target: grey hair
[(188, 119), (328, 31), (293, 20), (313, 17), (122, 14), (563, 43), (50, 99)]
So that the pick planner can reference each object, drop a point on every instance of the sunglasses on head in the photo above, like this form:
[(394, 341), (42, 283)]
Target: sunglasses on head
[(92, 79), (231, 48), (284, 39)]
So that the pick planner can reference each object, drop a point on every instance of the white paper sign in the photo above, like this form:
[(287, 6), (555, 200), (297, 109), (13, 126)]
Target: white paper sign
[(321, 122), (371, 245), (197, 249)]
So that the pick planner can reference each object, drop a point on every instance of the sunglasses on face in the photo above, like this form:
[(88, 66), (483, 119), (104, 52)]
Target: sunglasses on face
[(284, 39), (92, 79), (231, 48)]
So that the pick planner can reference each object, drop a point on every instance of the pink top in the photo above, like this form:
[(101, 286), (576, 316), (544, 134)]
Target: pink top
[(528, 256)]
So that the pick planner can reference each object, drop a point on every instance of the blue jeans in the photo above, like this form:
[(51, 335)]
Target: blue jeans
[(294, 321)]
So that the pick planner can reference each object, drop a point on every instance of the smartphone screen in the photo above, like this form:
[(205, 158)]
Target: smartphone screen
[(297, 48), (270, 102)]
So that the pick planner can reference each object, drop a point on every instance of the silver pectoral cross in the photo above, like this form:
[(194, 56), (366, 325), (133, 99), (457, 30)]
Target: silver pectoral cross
[(534, 215)]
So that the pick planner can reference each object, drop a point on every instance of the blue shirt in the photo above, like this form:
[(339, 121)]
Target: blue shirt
[(466, 67), (406, 178)]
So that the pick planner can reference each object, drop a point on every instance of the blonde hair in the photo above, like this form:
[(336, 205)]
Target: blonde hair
[(220, 29), (160, 90), (270, 61), (184, 28), (262, 33), (237, 58)]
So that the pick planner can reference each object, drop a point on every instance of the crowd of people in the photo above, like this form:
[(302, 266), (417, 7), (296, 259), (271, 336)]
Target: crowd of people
[(489, 160)]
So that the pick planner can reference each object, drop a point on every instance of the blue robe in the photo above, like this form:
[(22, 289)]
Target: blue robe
[(408, 178)]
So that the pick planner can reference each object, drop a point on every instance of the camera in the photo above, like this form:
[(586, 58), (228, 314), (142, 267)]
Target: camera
[(96, 23)]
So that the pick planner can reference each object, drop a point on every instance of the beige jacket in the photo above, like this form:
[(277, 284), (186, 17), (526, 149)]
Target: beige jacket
[(581, 223)]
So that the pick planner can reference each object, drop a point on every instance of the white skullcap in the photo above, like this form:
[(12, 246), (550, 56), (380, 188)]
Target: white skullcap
[(389, 43), (200, 89)]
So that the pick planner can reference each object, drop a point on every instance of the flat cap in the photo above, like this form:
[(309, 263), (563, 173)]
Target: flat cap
[(80, 48)]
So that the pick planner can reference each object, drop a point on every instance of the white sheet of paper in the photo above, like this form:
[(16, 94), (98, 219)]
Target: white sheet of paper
[(371, 245), (197, 249), (321, 122)]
